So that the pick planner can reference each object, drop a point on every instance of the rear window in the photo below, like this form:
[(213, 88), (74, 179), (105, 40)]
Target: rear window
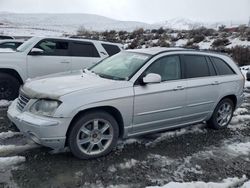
[(222, 67), (111, 49), (83, 50), (195, 66)]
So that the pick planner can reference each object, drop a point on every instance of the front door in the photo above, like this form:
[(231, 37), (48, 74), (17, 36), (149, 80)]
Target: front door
[(160, 105), (54, 58)]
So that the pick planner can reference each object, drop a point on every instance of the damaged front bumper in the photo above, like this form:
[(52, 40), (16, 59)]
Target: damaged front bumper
[(46, 131)]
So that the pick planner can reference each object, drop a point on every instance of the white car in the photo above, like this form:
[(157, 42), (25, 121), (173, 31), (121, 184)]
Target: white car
[(42, 56)]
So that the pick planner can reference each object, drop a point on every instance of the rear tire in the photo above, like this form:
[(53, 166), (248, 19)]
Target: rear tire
[(9, 87), (93, 135), (222, 114)]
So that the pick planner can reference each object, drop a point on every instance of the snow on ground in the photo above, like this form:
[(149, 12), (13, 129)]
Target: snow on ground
[(237, 42), (128, 164), (9, 134), (240, 111), (239, 148), (226, 183), (198, 128), (246, 184), (14, 149), (4, 103), (6, 162), (181, 42), (206, 44)]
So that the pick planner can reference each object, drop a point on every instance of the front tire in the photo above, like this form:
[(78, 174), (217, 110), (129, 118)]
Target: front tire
[(9, 87), (222, 114), (93, 135)]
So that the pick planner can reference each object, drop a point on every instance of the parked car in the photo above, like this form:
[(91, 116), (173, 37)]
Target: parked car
[(248, 75), (11, 44), (3, 37), (41, 56), (132, 93)]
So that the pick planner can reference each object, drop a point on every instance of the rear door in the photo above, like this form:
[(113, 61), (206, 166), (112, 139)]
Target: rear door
[(83, 54), (55, 58), (202, 86)]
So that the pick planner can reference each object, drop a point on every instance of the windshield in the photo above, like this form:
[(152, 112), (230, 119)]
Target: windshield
[(26, 45), (121, 66)]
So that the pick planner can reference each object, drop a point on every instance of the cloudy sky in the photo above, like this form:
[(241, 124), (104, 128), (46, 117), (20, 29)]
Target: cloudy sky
[(138, 10)]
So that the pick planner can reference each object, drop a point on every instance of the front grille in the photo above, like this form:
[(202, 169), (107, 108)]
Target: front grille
[(22, 101)]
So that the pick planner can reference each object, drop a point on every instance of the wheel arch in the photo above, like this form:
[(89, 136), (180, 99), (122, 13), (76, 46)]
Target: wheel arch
[(232, 97), (109, 109), (12, 72)]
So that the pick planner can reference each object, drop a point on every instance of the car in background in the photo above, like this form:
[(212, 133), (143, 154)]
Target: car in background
[(10, 44), (132, 93), (41, 56), (3, 37)]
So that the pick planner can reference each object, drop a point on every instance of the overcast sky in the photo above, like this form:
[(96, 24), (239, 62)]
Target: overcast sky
[(138, 10)]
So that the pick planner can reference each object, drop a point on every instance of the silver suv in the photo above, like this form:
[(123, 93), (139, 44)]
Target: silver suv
[(132, 93)]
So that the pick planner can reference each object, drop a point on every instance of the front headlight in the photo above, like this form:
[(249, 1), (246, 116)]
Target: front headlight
[(45, 107)]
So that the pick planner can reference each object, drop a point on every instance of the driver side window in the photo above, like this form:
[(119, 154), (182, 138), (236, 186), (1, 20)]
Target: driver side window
[(168, 68)]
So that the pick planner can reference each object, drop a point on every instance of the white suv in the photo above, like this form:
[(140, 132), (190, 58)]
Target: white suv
[(41, 56)]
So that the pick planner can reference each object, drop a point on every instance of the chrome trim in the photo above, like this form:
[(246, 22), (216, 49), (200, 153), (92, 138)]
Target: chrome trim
[(199, 104), (165, 120), (164, 128), (156, 111), (22, 102)]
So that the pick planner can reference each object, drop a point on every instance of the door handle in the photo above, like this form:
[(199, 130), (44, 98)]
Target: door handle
[(215, 83), (179, 88), (65, 62)]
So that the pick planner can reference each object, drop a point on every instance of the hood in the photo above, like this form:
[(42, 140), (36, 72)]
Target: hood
[(57, 85)]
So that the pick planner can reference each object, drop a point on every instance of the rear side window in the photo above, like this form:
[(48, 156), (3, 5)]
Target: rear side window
[(54, 48), (195, 66), (111, 49), (222, 67), (80, 49)]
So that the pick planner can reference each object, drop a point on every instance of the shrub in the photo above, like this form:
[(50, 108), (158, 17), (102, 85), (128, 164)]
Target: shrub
[(221, 42), (198, 38)]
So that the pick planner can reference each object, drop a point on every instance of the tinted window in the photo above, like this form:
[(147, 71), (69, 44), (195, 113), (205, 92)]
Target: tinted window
[(111, 49), (54, 48), (11, 45), (222, 67), (84, 50), (168, 67), (6, 37), (195, 66)]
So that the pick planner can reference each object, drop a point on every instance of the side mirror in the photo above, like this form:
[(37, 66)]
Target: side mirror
[(36, 51), (152, 78), (248, 75)]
